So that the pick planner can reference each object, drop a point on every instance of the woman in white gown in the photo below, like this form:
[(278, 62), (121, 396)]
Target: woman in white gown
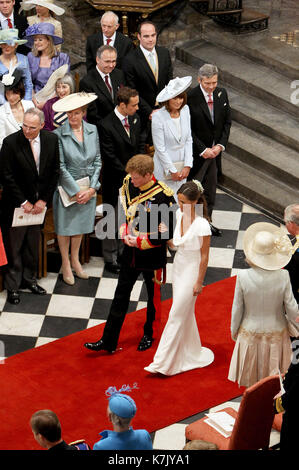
[(180, 347)]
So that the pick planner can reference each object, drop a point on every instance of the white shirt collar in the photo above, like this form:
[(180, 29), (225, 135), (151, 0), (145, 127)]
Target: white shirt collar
[(103, 75), (120, 116), (146, 52), (112, 39), (3, 20), (206, 95)]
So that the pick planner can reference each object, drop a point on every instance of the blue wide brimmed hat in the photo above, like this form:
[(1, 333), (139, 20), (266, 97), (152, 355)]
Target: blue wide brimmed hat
[(120, 404), (46, 29)]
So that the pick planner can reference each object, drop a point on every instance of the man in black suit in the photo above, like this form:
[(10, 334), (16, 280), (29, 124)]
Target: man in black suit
[(104, 80), (29, 169), (148, 69), (120, 139), (210, 123), (10, 19), (291, 219), (110, 36)]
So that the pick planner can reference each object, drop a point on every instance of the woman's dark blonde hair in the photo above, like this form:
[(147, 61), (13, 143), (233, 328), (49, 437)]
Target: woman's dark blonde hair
[(51, 48), (181, 95)]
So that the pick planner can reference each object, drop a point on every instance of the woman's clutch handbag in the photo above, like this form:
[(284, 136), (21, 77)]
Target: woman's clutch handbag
[(179, 166), (83, 183)]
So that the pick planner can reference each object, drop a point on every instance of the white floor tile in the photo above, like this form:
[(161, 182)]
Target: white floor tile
[(135, 294), (94, 267), (226, 220), (106, 288), (141, 305), (94, 322), (41, 341), (240, 237), (20, 324), (60, 306), (3, 296), (249, 210), (48, 282), (170, 438), (221, 257)]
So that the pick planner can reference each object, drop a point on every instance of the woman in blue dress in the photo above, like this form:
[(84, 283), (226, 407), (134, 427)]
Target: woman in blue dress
[(11, 60), (79, 158)]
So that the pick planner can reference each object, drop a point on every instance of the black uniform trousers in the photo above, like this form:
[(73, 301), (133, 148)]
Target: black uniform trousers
[(120, 304)]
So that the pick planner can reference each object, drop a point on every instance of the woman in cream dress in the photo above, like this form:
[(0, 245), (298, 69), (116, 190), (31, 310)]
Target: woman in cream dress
[(171, 132), (264, 308), (180, 346)]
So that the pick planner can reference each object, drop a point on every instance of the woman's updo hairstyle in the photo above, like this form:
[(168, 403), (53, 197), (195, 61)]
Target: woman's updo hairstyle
[(193, 191)]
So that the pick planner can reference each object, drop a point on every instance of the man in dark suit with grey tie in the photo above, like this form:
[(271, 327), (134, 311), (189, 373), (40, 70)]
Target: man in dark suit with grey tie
[(109, 35), (29, 170), (104, 80), (120, 139), (210, 124), (148, 70), (10, 19)]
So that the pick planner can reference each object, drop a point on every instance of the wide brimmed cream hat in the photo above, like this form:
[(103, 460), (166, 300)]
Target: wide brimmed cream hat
[(174, 88), (49, 89), (267, 246), (74, 101), (28, 5)]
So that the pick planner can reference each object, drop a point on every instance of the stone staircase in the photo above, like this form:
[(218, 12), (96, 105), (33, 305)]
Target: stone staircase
[(261, 162)]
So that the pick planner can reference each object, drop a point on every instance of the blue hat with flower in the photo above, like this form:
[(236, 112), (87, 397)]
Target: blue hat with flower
[(46, 29), (120, 404)]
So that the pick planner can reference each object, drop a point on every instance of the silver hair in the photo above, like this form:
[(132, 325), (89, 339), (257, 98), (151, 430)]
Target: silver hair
[(67, 79), (291, 214), (110, 13), (207, 70), (36, 112), (103, 48)]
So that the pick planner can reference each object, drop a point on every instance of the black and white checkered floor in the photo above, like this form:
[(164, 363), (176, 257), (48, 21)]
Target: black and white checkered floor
[(67, 309)]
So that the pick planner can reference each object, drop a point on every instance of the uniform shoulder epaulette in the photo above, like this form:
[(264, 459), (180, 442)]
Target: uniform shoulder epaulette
[(126, 178), (166, 189)]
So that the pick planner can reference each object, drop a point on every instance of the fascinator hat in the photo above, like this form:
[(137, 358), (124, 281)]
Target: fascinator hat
[(174, 88), (11, 37), (120, 404), (47, 29), (28, 5), (267, 246)]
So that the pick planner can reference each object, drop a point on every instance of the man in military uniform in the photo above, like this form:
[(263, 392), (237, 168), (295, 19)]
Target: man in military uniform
[(147, 205)]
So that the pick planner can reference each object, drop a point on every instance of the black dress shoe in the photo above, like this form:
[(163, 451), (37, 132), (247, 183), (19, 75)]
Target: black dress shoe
[(35, 288), (98, 346), (112, 267), (13, 297), (145, 343), (215, 231)]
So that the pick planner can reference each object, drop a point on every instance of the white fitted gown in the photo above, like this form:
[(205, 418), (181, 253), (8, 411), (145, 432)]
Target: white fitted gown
[(180, 347)]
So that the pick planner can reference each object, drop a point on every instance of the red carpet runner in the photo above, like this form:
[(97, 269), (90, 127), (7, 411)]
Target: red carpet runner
[(66, 378)]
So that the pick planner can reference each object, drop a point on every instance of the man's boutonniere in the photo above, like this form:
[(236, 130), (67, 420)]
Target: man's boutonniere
[(135, 120), (219, 94)]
